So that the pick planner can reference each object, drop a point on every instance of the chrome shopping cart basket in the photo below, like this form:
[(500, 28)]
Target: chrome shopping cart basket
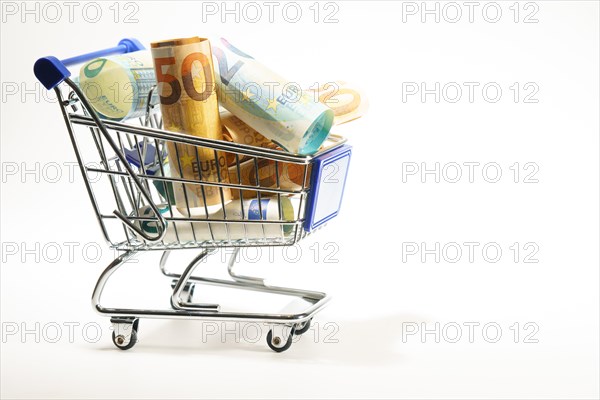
[(124, 170)]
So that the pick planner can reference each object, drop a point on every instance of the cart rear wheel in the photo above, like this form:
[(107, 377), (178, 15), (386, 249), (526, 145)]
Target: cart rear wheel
[(119, 340), (276, 343)]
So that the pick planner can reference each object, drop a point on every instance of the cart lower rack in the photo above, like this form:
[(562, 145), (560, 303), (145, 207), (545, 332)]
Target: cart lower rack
[(131, 185)]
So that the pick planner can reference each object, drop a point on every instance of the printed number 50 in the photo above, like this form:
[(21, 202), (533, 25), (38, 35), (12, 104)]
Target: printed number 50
[(186, 77)]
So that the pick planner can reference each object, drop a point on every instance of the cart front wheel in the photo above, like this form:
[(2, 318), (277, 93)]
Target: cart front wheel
[(119, 340), (277, 344)]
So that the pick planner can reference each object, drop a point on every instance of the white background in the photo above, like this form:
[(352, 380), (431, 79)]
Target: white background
[(357, 349)]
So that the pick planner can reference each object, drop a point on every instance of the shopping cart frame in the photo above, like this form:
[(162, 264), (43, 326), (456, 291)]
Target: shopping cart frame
[(52, 73)]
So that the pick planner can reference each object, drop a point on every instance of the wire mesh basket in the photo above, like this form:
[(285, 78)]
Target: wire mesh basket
[(126, 168)]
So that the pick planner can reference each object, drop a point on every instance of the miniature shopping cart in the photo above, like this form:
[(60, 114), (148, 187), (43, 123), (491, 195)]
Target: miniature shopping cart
[(123, 167)]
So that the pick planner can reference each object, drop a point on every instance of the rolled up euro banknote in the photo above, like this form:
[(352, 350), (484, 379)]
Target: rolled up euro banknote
[(346, 101), (188, 103), (270, 104), (118, 86), (180, 231), (237, 131), (291, 176)]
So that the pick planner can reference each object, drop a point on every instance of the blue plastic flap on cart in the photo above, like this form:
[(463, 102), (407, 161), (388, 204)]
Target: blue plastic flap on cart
[(51, 71), (327, 183), (133, 155)]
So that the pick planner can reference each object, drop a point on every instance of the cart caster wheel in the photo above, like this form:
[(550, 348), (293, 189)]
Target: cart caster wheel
[(119, 340), (276, 343), (302, 328)]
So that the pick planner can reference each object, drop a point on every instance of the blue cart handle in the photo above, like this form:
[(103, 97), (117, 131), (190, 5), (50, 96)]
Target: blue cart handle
[(52, 71)]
